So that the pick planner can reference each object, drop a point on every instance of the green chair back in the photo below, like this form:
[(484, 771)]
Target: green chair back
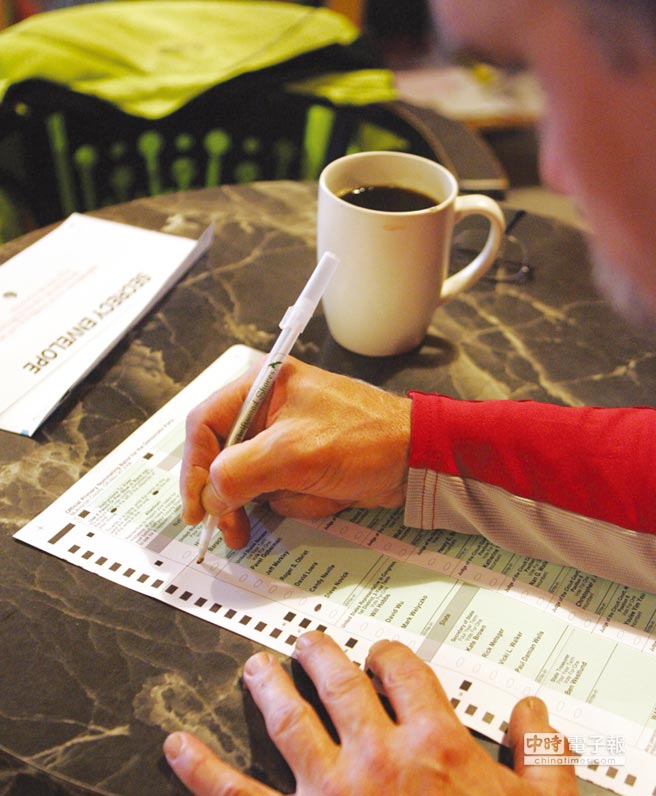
[(81, 154), (108, 102)]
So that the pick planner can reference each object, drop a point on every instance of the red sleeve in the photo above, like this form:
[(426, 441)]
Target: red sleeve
[(595, 462)]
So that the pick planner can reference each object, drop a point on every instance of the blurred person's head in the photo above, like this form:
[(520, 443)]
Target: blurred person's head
[(596, 61)]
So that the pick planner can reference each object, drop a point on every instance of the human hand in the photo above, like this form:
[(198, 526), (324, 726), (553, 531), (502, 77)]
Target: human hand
[(319, 443), (426, 750)]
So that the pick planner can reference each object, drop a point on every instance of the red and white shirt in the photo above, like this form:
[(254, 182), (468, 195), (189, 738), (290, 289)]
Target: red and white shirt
[(571, 485)]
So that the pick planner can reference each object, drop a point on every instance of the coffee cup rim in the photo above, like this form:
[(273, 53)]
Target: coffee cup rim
[(340, 162)]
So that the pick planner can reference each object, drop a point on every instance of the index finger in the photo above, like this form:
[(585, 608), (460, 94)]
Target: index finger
[(292, 723), (410, 684), (345, 690), (206, 424)]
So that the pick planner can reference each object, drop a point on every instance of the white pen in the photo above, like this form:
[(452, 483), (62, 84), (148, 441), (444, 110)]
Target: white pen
[(292, 325)]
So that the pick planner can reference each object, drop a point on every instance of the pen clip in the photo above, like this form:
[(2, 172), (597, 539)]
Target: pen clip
[(298, 315)]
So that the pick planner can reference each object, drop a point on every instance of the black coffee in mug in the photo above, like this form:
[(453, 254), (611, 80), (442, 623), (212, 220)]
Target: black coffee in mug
[(388, 198)]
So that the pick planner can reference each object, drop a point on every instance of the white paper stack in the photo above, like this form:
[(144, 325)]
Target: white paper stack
[(69, 298)]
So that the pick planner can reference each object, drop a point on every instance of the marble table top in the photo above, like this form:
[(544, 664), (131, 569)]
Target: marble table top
[(94, 676)]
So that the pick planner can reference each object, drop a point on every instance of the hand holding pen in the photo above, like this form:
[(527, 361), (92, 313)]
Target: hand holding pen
[(292, 325), (319, 443)]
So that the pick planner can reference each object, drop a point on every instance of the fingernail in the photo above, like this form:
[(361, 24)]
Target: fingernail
[(537, 707), (379, 645), (173, 746), (257, 663), (308, 640)]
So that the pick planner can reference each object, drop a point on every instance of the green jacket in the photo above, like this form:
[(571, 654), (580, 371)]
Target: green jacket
[(150, 58)]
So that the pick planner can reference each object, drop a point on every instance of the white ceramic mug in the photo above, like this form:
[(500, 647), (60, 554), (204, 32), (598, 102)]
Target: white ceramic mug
[(393, 270)]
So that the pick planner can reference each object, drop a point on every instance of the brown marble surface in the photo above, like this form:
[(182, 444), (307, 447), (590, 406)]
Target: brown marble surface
[(93, 675)]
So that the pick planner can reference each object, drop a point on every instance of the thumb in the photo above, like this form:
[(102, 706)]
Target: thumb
[(530, 716), (203, 773)]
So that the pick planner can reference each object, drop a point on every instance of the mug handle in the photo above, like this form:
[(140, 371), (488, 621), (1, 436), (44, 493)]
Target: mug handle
[(475, 204)]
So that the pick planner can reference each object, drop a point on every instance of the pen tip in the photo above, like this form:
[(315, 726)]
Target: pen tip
[(200, 559)]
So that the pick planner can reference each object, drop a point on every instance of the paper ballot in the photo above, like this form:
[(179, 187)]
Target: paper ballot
[(494, 625)]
